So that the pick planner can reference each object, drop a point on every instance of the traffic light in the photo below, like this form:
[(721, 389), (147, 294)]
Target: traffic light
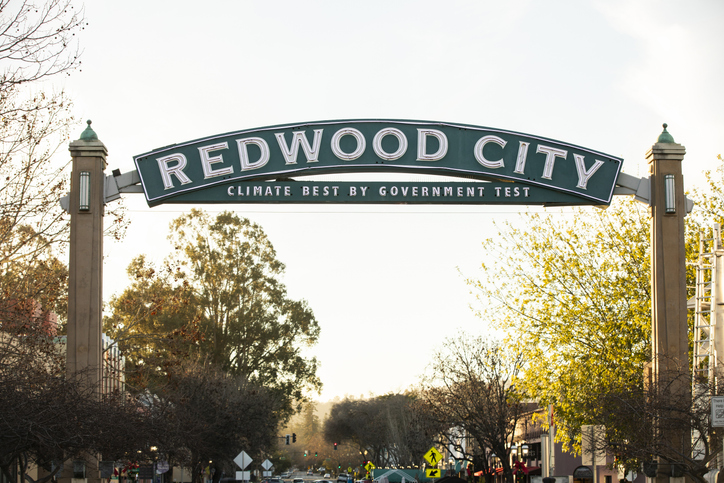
[(339, 467), (315, 454), (294, 437), (287, 438), (305, 454), (335, 446)]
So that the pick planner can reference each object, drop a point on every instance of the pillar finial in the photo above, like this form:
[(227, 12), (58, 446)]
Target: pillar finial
[(89, 134), (665, 137)]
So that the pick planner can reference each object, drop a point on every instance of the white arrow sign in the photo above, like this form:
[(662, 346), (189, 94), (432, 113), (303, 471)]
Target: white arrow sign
[(243, 460)]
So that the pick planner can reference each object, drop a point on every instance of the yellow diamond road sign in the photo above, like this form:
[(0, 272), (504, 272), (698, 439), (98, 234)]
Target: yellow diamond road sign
[(369, 466), (432, 472), (433, 456)]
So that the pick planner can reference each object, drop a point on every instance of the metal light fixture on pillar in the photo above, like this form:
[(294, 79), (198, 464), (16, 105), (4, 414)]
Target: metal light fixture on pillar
[(84, 191), (669, 194)]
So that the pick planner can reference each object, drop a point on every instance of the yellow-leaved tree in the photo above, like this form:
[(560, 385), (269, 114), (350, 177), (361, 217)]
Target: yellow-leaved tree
[(572, 289)]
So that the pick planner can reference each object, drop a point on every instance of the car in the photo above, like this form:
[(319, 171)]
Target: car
[(327, 475), (310, 473), (298, 480), (342, 477)]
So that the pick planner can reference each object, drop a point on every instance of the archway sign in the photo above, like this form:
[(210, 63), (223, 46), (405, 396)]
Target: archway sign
[(259, 165), (268, 165)]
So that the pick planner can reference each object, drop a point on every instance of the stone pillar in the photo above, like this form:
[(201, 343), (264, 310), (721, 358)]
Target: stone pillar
[(669, 329), (85, 275), (85, 282), (670, 343)]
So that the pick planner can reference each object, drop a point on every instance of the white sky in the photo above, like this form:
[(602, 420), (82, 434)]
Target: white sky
[(383, 281)]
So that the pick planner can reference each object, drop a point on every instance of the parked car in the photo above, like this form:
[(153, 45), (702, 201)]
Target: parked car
[(342, 477), (298, 480)]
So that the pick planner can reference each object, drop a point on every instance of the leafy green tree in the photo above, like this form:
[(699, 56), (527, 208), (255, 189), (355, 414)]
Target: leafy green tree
[(154, 322), (220, 295), (574, 292)]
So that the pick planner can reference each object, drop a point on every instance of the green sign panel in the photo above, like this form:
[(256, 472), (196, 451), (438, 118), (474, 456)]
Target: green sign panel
[(440, 193), (255, 166)]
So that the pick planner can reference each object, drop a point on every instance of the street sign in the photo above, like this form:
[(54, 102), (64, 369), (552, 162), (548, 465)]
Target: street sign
[(592, 445), (243, 475), (243, 460), (267, 464), (145, 472), (106, 468), (369, 466), (578, 175), (433, 456), (717, 411), (432, 472)]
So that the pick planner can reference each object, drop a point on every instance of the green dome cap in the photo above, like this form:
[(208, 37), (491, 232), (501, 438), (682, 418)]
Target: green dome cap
[(665, 137), (90, 135)]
